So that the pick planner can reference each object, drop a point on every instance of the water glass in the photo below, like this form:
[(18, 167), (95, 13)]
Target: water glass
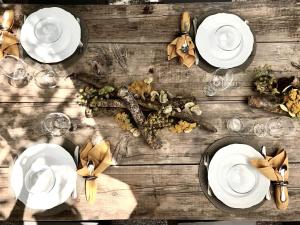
[(15, 70), (46, 78), (260, 129), (57, 124), (235, 124), (220, 81)]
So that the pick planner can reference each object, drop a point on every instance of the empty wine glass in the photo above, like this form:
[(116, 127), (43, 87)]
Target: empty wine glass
[(57, 124), (46, 78), (15, 70), (221, 80), (280, 126)]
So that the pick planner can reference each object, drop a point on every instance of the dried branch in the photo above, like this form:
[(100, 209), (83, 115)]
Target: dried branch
[(139, 118), (267, 103)]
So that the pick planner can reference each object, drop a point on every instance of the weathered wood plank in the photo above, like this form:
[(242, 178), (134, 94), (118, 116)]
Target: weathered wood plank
[(19, 129), (137, 23), (150, 60), (147, 192)]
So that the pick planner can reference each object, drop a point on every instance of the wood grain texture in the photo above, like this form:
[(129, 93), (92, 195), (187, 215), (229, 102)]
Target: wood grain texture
[(150, 60), (171, 192), (20, 129), (137, 23), (146, 183)]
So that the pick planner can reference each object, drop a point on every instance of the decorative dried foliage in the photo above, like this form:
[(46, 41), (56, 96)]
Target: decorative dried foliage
[(124, 122), (265, 82), (285, 90), (146, 110), (140, 89), (291, 103), (183, 127)]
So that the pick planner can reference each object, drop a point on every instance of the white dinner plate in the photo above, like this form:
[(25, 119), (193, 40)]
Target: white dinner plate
[(50, 35), (224, 40), (48, 156), (232, 178)]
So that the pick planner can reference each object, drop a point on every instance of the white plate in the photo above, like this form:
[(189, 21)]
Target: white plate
[(209, 36), (61, 164), (233, 180), (50, 35)]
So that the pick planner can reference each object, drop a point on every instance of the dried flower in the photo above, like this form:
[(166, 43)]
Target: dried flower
[(291, 103), (183, 127), (140, 88), (123, 121)]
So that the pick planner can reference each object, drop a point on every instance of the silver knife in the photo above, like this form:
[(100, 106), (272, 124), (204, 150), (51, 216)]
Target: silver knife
[(76, 157), (264, 153)]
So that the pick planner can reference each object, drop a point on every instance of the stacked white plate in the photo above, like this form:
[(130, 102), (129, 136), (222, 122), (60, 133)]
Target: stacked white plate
[(224, 40), (43, 176), (50, 35), (232, 178)]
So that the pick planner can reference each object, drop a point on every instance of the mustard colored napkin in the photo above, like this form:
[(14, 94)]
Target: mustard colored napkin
[(183, 46), (9, 45), (101, 156), (269, 167)]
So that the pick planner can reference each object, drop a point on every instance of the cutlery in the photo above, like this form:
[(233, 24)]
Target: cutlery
[(76, 157), (282, 171), (91, 167), (264, 153), (195, 21), (206, 164), (80, 46)]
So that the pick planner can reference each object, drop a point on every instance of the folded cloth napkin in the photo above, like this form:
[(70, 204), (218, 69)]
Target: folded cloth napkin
[(175, 49), (101, 157), (270, 167), (9, 44), (183, 46)]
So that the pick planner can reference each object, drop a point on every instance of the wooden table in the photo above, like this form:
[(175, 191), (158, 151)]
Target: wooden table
[(149, 183)]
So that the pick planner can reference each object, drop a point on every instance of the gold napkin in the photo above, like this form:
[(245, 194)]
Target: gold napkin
[(270, 168), (9, 45), (183, 46), (101, 156)]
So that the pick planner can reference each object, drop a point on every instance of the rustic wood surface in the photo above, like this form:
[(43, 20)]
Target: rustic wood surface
[(148, 183)]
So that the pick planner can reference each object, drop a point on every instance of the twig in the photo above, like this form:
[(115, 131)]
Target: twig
[(139, 118)]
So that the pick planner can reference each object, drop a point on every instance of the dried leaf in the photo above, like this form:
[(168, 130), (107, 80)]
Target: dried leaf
[(140, 88), (183, 127)]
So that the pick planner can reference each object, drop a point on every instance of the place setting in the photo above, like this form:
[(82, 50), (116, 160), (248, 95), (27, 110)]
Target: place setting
[(52, 35), (46, 175), (238, 176), (223, 41)]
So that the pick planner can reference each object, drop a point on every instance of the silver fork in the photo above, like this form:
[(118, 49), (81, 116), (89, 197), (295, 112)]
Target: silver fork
[(206, 164)]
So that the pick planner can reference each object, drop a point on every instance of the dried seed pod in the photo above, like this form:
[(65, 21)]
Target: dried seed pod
[(163, 97), (148, 80), (154, 95), (168, 109), (196, 110)]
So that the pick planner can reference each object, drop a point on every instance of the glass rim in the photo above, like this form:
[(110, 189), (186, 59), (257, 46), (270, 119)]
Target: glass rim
[(61, 114)]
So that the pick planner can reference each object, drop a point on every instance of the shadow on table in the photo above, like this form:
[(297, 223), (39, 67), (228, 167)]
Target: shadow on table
[(17, 213)]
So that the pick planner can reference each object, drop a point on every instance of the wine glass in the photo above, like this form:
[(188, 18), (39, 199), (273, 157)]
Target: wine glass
[(57, 124), (15, 70), (46, 78), (220, 81), (280, 126)]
